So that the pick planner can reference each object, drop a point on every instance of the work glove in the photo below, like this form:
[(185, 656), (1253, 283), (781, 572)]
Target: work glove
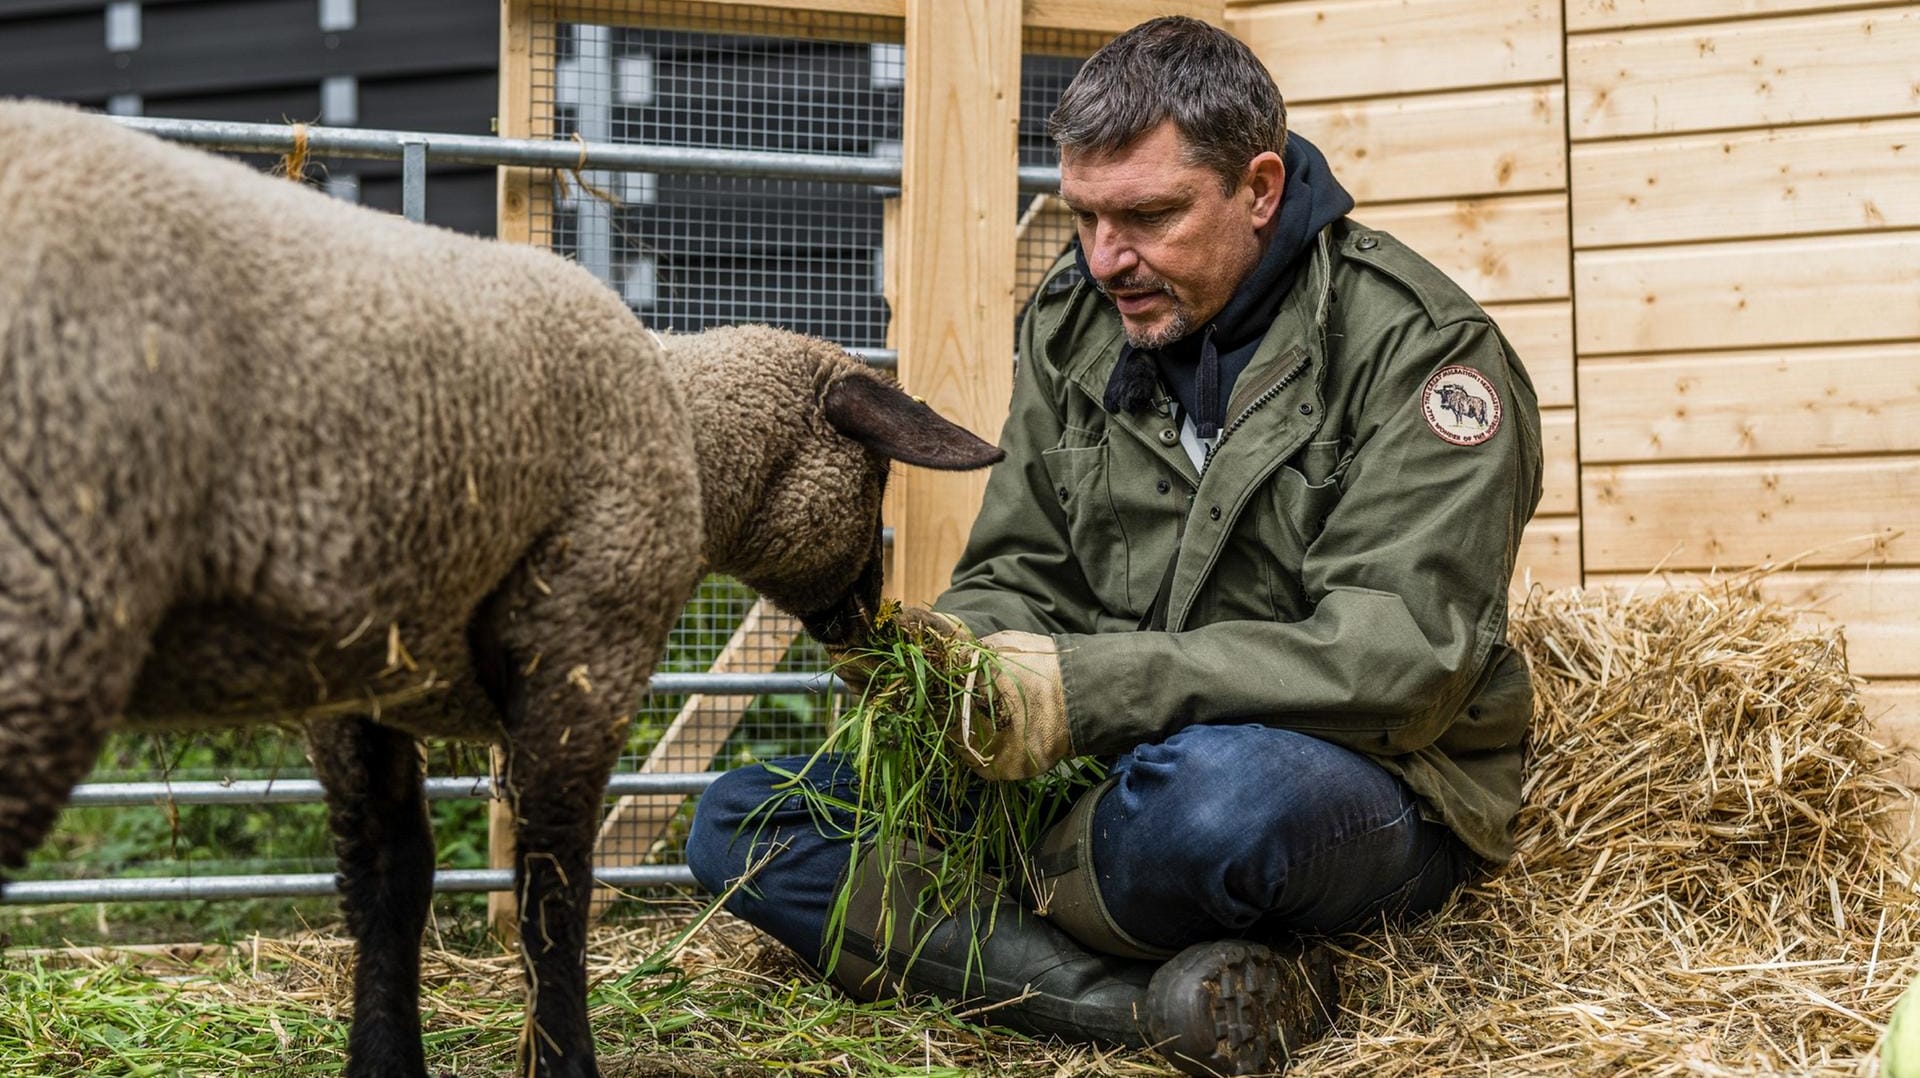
[(1013, 721), (855, 661)]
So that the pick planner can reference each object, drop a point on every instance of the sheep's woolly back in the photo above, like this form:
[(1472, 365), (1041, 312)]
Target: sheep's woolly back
[(233, 403)]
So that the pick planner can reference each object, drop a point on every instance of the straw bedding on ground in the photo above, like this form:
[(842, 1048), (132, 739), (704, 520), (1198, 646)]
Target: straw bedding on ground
[(1705, 885)]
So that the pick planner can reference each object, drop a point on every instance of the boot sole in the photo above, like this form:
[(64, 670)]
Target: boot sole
[(1233, 1008)]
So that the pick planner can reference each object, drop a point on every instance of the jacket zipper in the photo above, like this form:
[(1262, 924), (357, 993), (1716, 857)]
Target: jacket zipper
[(1266, 397)]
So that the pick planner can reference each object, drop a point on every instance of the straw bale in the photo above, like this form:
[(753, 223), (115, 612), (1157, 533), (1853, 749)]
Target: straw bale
[(1705, 883)]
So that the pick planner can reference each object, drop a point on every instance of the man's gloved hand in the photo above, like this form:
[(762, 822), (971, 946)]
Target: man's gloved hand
[(1015, 725), (855, 660)]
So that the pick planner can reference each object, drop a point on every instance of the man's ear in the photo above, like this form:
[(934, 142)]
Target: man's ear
[(878, 415), (1266, 178)]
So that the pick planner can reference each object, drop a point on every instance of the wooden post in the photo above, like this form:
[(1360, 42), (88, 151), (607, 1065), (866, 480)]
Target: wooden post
[(515, 120), (958, 207)]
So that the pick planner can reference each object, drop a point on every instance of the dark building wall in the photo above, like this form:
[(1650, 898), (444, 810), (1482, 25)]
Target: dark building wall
[(416, 65)]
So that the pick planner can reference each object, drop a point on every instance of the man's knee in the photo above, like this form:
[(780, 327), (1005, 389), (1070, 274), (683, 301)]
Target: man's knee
[(720, 837)]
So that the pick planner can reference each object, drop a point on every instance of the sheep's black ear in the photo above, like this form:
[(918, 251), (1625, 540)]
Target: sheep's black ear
[(881, 417)]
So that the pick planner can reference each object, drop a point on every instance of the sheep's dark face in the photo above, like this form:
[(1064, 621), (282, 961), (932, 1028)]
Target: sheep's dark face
[(810, 541), (817, 542)]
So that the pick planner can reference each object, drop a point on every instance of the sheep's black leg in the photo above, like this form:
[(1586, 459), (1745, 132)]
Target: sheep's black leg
[(565, 654), (556, 817), (378, 812)]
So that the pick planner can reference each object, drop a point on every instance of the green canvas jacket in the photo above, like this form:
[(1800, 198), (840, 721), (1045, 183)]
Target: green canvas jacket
[(1340, 568)]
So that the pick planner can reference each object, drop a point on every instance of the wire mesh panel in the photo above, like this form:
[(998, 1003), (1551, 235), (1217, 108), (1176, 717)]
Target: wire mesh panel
[(688, 252)]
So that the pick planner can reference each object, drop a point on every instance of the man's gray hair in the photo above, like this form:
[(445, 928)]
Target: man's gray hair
[(1216, 92)]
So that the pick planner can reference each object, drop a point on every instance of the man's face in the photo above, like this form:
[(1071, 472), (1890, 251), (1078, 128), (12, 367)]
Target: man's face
[(1160, 236)]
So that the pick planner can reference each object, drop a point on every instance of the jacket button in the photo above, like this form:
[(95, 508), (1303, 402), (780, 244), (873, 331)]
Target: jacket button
[(1063, 494), (1366, 243), (1305, 408), (1214, 513), (1163, 486), (1169, 436)]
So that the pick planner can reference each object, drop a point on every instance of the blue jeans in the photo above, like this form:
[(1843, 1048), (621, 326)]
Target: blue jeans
[(1218, 832)]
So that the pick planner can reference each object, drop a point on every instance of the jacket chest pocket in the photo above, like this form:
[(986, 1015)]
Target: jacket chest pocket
[(1304, 492), (1082, 478)]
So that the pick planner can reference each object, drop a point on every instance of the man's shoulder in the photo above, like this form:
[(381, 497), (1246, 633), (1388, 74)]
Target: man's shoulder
[(1394, 279), (1060, 278)]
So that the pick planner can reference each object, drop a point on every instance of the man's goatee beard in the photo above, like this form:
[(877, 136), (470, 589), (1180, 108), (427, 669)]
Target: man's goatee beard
[(1154, 340)]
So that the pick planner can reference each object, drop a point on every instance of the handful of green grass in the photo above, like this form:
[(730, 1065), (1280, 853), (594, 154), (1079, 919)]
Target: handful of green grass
[(912, 785)]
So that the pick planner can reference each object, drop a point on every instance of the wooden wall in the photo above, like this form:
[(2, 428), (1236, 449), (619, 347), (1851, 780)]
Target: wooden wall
[(1746, 232), (1699, 220), (1447, 121)]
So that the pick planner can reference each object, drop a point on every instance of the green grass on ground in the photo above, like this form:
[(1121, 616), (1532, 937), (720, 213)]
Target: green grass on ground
[(725, 1002)]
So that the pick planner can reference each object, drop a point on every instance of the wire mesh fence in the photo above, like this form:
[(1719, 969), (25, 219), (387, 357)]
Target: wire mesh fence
[(687, 251)]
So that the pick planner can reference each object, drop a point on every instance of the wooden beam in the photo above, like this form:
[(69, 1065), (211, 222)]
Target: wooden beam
[(1749, 294), (719, 12), (829, 20), (962, 111), (832, 18), (516, 210), (1543, 335), (1780, 402), (1113, 16), (1588, 15), (1435, 146), (1638, 517), (1329, 50), (1796, 70), (692, 742), (1498, 249), (1777, 182)]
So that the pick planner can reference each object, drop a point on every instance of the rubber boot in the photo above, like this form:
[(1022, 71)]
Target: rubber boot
[(1237, 1007), (994, 955)]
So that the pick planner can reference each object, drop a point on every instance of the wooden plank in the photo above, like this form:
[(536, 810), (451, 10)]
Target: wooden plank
[(835, 20), (1830, 401), (1795, 70), (1589, 15), (1113, 16), (1549, 555), (1749, 294), (1338, 49), (1730, 516), (853, 20), (1456, 145), (1560, 465), (1875, 608), (1498, 249), (691, 742), (1542, 333), (1830, 178), (515, 224), (1893, 705), (961, 112)]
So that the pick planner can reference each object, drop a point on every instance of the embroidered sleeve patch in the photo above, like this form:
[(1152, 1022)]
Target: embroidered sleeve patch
[(1461, 406)]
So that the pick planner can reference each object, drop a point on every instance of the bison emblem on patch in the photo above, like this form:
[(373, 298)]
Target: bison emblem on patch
[(1461, 405)]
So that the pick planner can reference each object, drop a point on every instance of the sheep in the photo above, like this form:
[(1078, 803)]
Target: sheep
[(267, 457)]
